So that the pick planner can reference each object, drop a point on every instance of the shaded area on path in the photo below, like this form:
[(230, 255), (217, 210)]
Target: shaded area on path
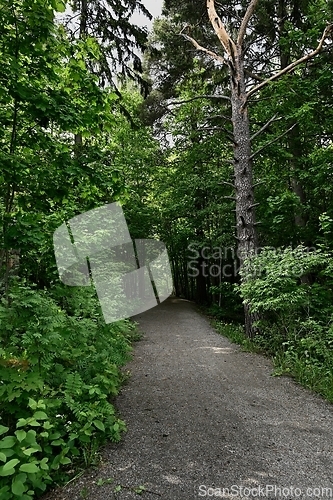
[(203, 414)]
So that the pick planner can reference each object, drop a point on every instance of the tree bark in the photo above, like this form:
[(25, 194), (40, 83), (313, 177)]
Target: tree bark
[(245, 210)]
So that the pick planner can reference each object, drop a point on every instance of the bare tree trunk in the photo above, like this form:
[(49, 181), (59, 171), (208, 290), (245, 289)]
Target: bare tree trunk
[(245, 206), (245, 211)]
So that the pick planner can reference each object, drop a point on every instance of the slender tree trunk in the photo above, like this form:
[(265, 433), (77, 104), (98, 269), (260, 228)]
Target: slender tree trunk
[(78, 142), (294, 136), (295, 148)]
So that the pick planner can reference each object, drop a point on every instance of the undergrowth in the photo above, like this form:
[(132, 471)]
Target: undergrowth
[(291, 291), (59, 370)]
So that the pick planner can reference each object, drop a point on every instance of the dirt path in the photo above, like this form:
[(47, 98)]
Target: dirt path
[(202, 414)]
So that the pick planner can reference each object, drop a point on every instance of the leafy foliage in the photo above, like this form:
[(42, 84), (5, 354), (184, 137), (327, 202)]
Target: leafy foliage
[(59, 368), (292, 290), (60, 364)]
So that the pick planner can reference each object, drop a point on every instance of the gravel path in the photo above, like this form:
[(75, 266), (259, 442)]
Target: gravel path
[(202, 416)]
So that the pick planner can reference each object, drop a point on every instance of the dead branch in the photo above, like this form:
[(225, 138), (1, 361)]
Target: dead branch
[(259, 183), (253, 206), (226, 41), (217, 129), (272, 142), (201, 48), (245, 22), (227, 184), (227, 118), (293, 65), (254, 76), (272, 120), (199, 97)]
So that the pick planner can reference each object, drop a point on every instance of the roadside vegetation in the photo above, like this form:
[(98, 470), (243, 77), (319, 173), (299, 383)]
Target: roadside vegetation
[(291, 291)]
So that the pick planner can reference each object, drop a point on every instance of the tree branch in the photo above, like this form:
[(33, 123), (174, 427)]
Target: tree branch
[(199, 97), (245, 22), (253, 75), (216, 129), (259, 183), (227, 118), (202, 49), (226, 183), (293, 65), (265, 127), (272, 142), (219, 28)]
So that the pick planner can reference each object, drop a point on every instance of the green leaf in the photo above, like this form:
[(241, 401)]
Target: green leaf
[(99, 425), (40, 415), (21, 422), (7, 442), (60, 5), (20, 435), (4, 492), (11, 464), (30, 451), (65, 461), (57, 442), (84, 439), (139, 490), (29, 468), (33, 422), (3, 457), (9, 452), (32, 404), (55, 435), (8, 472), (18, 487), (3, 429), (43, 464), (31, 437)]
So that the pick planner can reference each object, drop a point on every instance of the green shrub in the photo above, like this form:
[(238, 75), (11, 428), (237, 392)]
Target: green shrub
[(230, 307), (59, 368), (292, 292)]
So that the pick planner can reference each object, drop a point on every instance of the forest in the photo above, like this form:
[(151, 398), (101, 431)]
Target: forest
[(213, 131)]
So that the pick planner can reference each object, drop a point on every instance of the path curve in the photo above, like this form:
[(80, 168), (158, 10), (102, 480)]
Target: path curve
[(203, 414)]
